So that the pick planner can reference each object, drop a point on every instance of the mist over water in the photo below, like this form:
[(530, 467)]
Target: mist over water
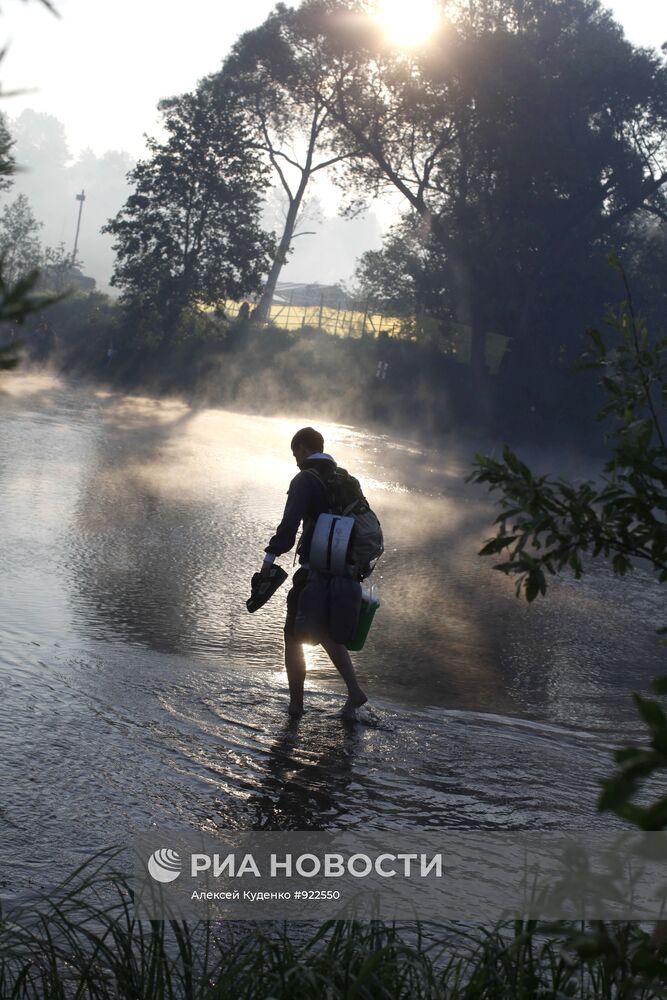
[(136, 690)]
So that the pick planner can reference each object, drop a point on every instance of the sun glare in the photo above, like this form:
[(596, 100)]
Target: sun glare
[(408, 22)]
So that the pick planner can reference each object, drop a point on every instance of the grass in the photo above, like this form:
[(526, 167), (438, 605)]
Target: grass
[(82, 940)]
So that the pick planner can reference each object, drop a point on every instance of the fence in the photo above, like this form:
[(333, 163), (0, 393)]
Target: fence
[(347, 321), (339, 320)]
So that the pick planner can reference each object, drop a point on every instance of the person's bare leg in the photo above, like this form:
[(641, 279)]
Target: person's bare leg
[(341, 660), (295, 665)]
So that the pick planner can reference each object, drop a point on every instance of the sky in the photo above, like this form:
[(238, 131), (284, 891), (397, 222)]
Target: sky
[(103, 65)]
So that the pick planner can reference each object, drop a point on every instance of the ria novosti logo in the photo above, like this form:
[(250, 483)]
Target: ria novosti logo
[(165, 865)]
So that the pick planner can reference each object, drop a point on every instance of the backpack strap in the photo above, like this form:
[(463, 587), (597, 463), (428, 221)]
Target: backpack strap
[(309, 522), (320, 479), (360, 500)]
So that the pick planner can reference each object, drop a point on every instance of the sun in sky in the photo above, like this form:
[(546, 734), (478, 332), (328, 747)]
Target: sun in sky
[(407, 22)]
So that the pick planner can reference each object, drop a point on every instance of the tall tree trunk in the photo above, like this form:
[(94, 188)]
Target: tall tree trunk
[(261, 313)]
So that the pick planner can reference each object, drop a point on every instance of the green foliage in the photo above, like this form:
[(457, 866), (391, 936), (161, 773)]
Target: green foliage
[(189, 235), (635, 765), (20, 248), (83, 940), (56, 268), (397, 279), (546, 525), (8, 357), (21, 287), (7, 163), (18, 301), (20, 251), (549, 525), (527, 136)]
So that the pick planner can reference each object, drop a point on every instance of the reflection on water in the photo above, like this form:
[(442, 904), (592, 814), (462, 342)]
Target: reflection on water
[(136, 690)]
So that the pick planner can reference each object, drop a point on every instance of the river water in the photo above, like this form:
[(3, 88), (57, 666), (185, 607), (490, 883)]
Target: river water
[(136, 691)]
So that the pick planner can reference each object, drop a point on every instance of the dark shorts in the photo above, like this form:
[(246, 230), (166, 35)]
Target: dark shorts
[(299, 581)]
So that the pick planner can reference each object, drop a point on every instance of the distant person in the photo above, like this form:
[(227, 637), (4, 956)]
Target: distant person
[(244, 312), (306, 500)]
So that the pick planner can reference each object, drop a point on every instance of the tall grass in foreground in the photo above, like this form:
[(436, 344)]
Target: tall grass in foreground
[(83, 941)]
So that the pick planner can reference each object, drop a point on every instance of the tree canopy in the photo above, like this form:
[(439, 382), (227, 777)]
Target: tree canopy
[(189, 234), (20, 248), (527, 135), (17, 298), (526, 138), (285, 84)]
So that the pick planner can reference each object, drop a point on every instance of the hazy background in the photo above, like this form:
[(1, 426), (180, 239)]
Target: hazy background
[(91, 81)]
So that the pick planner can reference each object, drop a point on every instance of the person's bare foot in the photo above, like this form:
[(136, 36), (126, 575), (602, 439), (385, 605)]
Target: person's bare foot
[(348, 711)]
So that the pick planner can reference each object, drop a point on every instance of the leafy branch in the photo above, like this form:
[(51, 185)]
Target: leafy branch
[(548, 525), (18, 301)]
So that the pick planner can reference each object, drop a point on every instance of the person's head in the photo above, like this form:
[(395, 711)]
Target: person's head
[(306, 442)]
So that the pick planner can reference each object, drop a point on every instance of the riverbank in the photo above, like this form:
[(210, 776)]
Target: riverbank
[(416, 388)]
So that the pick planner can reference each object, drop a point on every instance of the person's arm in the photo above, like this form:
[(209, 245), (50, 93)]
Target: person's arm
[(296, 508)]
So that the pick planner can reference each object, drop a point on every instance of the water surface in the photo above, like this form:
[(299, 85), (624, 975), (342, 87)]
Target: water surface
[(136, 691)]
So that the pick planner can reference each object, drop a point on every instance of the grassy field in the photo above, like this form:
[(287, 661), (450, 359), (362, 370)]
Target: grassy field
[(341, 322)]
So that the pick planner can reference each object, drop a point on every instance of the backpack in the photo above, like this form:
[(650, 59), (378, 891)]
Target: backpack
[(345, 497)]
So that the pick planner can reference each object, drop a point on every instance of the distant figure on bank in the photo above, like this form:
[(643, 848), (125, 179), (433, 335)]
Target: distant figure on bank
[(306, 500), (244, 312)]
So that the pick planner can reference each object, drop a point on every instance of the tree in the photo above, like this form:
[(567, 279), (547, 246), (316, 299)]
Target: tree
[(272, 69), (645, 256), (8, 355), (525, 135), (51, 178), (399, 279), (402, 277), (16, 300), (7, 161), (42, 154), (20, 248), (56, 269), (189, 235), (546, 526)]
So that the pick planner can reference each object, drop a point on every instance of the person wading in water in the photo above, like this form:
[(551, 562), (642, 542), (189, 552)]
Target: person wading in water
[(306, 500)]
